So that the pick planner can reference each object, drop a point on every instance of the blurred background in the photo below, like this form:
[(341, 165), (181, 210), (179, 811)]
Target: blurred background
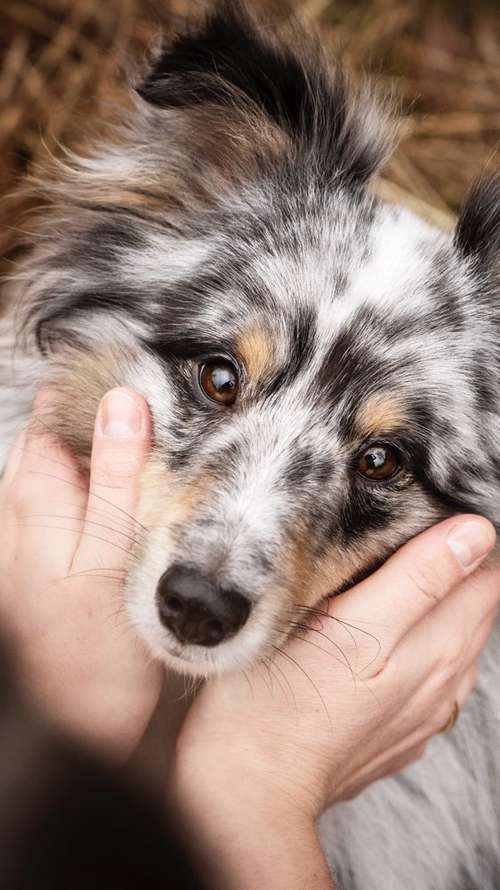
[(61, 61), (64, 63)]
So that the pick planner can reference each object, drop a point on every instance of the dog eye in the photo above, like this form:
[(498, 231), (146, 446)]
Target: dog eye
[(379, 462), (218, 379)]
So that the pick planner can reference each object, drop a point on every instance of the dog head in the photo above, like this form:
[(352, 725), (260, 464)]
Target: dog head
[(322, 368)]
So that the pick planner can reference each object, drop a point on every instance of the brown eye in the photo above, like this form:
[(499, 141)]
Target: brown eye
[(219, 380), (379, 462)]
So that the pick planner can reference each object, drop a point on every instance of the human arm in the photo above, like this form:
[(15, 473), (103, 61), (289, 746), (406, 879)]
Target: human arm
[(357, 699)]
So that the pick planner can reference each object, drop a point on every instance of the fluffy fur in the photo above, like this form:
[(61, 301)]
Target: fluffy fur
[(230, 215)]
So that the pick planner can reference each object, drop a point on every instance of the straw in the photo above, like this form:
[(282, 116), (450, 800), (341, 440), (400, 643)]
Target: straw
[(60, 60)]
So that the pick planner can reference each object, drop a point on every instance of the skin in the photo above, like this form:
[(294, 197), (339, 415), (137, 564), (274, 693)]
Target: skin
[(260, 755), (48, 559)]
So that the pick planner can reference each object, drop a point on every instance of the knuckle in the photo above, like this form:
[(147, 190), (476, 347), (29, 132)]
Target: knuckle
[(440, 719), (429, 583), (449, 665), (418, 753), (376, 667), (115, 471), (19, 496), (472, 676)]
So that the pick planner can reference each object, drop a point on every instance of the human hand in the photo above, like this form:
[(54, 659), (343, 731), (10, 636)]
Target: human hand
[(65, 547), (375, 676)]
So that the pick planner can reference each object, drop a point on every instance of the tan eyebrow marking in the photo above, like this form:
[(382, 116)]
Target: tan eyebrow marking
[(256, 349), (379, 413)]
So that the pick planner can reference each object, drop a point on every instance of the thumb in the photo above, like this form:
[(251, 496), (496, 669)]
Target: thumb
[(122, 437), (416, 578)]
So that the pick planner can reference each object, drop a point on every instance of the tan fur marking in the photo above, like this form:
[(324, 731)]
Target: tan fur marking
[(379, 413), (79, 390), (337, 567), (311, 580), (163, 500), (256, 349)]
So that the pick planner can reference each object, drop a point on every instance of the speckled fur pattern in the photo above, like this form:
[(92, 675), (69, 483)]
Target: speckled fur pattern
[(230, 215)]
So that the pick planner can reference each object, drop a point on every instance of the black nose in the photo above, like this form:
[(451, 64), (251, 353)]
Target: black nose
[(198, 611)]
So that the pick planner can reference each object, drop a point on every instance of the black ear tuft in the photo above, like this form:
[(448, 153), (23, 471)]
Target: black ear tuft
[(232, 61), (478, 229), (227, 54)]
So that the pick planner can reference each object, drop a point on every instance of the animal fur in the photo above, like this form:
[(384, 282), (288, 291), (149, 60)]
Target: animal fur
[(230, 215)]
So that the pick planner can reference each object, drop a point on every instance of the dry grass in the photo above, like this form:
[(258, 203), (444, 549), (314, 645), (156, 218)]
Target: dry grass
[(60, 59)]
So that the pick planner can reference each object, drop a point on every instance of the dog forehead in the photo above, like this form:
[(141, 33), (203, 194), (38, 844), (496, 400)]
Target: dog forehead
[(338, 261), (332, 291)]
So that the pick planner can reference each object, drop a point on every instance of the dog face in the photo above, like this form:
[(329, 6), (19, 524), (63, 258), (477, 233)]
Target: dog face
[(322, 369)]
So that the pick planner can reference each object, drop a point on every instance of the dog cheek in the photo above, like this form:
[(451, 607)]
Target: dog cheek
[(310, 579), (80, 382)]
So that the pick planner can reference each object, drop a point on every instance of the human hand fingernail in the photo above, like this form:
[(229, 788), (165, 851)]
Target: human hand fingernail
[(471, 541), (120, 416)]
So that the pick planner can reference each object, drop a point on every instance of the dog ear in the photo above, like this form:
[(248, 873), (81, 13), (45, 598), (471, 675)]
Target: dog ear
[(226, 55), (477, 235), (234, 62)]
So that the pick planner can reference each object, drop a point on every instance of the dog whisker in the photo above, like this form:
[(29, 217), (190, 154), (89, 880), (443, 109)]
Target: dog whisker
[(78, 532), (249, 683), (299, 667), (344, 660), (91, 493), (97, 577), (315, 613), (89, 572), (82, 522), (264, 665), (348, 626), (287, 688)]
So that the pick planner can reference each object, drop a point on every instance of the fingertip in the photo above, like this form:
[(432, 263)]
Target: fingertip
[(423, 571), (39, 441), (471, 539), (122, 414), (121, 440)]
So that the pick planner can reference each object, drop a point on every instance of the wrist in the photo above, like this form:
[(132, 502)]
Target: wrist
[(106, 714), (242, 848), (249, 831)]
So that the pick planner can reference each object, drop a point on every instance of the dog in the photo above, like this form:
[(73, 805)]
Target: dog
[(323, 373)]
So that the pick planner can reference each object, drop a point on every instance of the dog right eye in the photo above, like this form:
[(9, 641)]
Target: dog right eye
[(219, 380), (379, 462)]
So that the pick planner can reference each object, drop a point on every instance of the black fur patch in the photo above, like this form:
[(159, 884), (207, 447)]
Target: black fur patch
[(232, 59), (350, 365), (478, 229), (363, 511), (302, 329)]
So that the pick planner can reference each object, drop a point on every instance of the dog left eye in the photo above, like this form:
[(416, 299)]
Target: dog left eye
[(218, 378), (379, 461)]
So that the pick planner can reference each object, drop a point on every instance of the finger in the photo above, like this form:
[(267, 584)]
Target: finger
[(415, 579), (41, 474), (453, 634), (14, 459), (430, 709), (388, 764), (467, 685), (425, 721), (446, 717), (481, 637), (121, 443)]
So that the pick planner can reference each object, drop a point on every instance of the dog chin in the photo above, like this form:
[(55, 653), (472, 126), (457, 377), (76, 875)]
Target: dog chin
[(244, 650), (200, 667), (199, 661)]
